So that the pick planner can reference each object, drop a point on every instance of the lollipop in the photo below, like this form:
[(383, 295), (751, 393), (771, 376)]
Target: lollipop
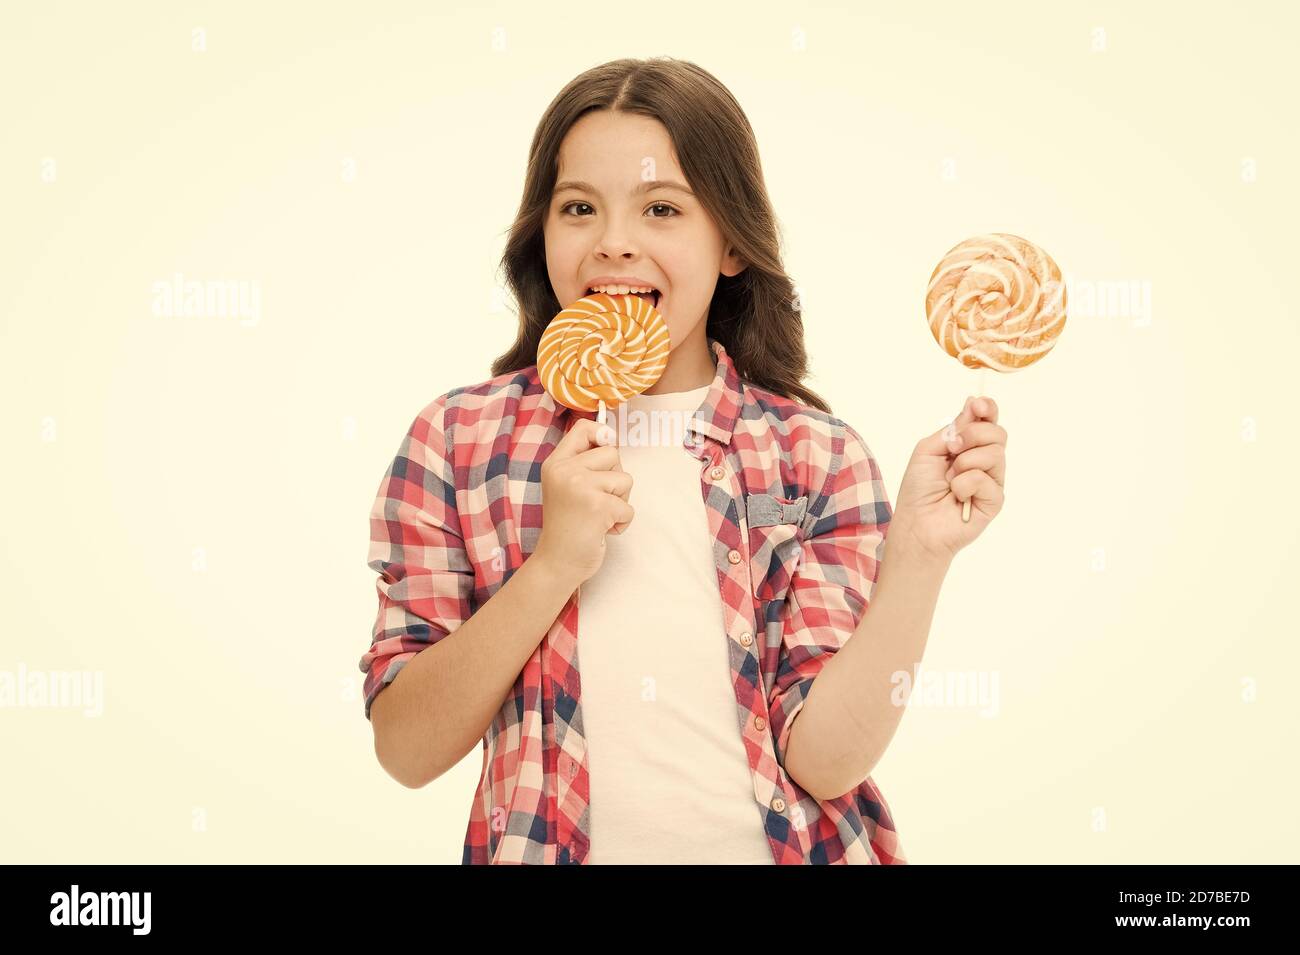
[(995, 301), (602, 350)]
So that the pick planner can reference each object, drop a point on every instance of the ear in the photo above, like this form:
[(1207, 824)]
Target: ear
[(732, 263)]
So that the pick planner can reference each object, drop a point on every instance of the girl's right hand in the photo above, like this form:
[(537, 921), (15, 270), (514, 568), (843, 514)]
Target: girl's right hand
[(584, 497)]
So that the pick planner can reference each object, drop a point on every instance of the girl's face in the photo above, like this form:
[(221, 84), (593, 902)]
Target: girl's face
[(621, 207)]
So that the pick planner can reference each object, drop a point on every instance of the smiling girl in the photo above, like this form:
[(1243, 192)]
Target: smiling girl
[(663, 646)]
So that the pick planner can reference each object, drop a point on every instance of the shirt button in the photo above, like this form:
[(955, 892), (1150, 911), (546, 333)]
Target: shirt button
[(733, 556), (746, 638), (778, 804), (718, 474), (759, 722)]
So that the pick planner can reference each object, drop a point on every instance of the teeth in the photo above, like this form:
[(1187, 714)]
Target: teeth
[(620, 289)]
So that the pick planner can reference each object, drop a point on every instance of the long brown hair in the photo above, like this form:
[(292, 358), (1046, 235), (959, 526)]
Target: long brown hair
[(754, 313)]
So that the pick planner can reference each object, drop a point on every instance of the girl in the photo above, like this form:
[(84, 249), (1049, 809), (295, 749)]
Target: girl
[(720, 571)]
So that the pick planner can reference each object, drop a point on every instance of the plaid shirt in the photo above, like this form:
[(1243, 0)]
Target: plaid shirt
[(798, 514)]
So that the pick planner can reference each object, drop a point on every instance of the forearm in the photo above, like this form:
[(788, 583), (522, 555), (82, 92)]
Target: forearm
[(441, 703), (849, 716)]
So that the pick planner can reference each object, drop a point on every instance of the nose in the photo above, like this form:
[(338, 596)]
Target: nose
[(616, 240)]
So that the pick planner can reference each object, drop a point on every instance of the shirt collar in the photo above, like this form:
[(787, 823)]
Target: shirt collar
[(715, 417)]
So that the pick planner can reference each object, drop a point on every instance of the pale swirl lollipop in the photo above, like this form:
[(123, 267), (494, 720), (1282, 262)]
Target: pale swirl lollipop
[(602, 350), (996, 301)]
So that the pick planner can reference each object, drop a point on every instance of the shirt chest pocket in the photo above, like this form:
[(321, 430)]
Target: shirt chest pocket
[(775, 542)]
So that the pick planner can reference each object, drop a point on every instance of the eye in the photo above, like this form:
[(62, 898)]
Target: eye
[(658, 205)]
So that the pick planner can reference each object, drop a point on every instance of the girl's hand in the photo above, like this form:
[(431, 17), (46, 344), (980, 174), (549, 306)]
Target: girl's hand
[(584, 497), (943, 473)]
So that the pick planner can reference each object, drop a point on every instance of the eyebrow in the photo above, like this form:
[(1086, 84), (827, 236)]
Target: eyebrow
[(653, 184)]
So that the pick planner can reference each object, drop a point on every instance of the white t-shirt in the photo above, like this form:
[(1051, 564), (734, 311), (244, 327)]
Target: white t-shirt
[(670, 782)]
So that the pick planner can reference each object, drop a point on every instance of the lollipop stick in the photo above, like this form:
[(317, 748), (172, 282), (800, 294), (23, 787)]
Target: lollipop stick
[(601, 412)]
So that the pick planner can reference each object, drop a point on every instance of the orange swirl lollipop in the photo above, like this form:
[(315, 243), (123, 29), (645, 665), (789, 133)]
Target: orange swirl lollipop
[(602, 350), (995, 301)]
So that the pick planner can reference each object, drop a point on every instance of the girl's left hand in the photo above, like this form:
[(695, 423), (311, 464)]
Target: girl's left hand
[(943, 473)]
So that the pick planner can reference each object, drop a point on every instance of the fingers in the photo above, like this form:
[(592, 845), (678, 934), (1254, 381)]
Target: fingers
[(977, 407), (937, 444), (604, 457), (981, 487), (586, 460), (600, 459), (608, 438), (976, 411), (977, 433), (584, 434), (592, 446), (987, 457), (983, 407), (621, 514), (618, 483)]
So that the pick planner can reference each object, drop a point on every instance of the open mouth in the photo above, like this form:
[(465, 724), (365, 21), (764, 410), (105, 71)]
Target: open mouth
[(653, 296)]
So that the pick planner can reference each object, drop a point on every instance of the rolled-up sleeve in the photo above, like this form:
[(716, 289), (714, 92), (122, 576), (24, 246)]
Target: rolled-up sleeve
[(426, 580), (830, 589)]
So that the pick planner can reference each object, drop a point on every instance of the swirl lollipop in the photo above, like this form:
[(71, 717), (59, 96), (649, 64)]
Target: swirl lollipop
[(995, 301), (602, 350)]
